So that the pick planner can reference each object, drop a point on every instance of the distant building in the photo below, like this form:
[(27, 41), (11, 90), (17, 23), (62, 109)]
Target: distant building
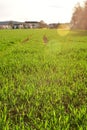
[(11, 25), (18, 26), (53, 25), (4, 25), (31, 24)]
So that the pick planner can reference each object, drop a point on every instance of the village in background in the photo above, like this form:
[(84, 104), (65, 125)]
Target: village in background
[(78, 21), (32, 24)]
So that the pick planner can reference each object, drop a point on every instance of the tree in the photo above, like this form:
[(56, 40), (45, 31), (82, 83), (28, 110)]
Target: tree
[(85, 15), (42, 24), (79, 17)]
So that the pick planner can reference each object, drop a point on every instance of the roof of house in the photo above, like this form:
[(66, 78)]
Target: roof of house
[(31, 22)]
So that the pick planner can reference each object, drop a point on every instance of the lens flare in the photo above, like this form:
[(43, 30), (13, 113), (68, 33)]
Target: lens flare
[(63, 30)]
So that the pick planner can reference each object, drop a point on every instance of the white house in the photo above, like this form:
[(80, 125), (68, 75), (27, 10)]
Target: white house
[(31, 24)]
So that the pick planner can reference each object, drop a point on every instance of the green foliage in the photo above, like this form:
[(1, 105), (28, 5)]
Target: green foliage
[(43, 86)]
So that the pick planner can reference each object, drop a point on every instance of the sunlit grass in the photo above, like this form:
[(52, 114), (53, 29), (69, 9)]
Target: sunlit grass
[(43, 86), (63, 32)]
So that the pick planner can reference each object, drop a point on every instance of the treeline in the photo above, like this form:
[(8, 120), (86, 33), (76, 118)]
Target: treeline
[(79, 17)]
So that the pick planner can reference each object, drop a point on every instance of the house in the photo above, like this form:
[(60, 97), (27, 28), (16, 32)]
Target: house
[(4, 25), (11, 25), (18, 26), (31, 24), (53, 25)]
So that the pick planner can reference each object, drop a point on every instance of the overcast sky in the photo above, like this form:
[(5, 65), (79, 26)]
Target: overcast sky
[(35, 10)]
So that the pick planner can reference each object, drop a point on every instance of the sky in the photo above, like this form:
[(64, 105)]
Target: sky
[(50, 11)]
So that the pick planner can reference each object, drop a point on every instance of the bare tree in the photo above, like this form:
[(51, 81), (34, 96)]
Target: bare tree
[(79, 17)]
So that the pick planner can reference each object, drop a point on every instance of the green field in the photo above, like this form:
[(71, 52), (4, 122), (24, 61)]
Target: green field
[(43, 86)]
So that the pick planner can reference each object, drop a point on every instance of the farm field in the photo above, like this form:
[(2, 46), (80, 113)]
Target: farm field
[(43, 80)]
